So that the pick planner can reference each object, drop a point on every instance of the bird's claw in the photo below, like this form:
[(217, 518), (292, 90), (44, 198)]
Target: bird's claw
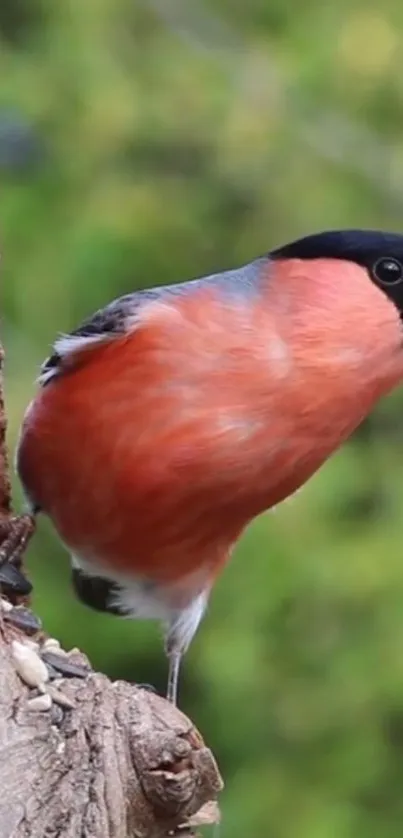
[(15, 532)]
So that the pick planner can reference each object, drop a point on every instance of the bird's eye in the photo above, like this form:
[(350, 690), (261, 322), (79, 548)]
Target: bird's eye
[(388, 271)]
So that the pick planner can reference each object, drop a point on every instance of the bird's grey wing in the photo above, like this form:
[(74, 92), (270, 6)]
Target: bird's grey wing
[(119, 315), (105, 324)]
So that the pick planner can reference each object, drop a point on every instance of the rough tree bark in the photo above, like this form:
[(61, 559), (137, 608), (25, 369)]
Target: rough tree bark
[(87, 758)]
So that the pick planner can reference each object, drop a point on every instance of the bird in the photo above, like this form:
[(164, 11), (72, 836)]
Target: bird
[(175, 415)]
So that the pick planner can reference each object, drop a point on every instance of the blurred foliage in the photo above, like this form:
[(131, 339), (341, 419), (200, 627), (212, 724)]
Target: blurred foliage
[(149, 142)]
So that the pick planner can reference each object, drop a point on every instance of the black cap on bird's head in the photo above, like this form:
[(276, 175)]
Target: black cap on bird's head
[(380, 253)]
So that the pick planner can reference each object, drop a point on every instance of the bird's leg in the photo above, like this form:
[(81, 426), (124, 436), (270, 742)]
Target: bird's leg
[(180, 632), (175, 649), (15, 533), (174, 662)]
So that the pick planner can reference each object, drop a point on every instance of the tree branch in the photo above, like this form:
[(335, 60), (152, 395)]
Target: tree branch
[(5, 488), (80, 755)]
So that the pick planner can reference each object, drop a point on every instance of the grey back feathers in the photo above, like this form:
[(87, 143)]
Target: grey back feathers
[(120, 315)]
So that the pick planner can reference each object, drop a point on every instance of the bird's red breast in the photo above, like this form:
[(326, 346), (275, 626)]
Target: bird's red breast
[(156, 448)]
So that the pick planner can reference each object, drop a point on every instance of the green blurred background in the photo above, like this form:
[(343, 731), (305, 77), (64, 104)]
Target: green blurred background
[(149, 142)]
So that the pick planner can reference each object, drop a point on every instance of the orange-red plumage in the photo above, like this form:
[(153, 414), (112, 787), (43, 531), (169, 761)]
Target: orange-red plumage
[(157, 448), (153, 450)]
